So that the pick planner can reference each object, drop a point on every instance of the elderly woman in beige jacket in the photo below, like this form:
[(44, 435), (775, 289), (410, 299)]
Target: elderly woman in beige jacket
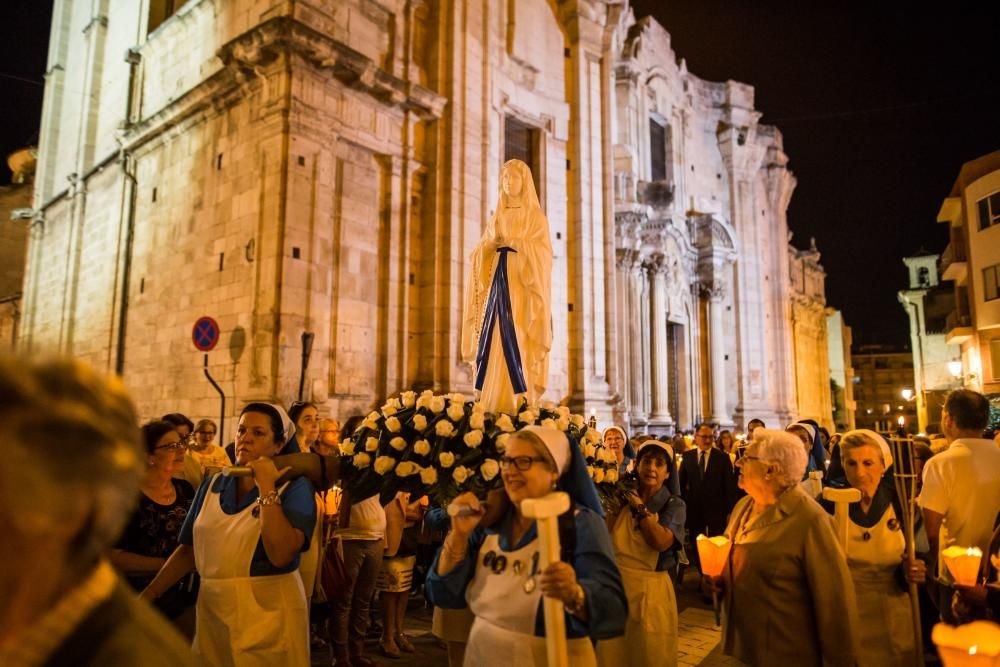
[(789, 598)]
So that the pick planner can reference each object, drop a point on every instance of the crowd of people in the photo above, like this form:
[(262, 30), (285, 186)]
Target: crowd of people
[(239, 567)]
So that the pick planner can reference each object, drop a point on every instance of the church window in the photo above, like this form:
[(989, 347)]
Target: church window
[(991, 282), (923, 277), (161, 10), (521, 142), (657, 151), (989, 210)]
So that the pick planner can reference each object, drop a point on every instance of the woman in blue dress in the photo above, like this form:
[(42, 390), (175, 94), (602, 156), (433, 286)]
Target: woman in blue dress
[(496, 571)]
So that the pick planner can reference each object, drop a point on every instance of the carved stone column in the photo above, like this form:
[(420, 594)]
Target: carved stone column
[(715, 293), (638, 318), (656, 272)]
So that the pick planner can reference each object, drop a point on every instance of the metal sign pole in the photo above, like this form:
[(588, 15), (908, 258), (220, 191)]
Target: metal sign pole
[(222, 398)]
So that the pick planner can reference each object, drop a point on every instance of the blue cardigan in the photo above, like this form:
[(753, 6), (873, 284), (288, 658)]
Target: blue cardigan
[(593, 560)]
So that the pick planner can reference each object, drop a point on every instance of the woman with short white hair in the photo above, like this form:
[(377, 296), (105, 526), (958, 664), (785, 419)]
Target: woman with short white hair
[(875, 553), (788, 596)]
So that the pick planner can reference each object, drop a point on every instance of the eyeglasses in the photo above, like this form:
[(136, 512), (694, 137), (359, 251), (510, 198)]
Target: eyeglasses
[(170, 445), (522, 463), (705, 437), (211, 433)]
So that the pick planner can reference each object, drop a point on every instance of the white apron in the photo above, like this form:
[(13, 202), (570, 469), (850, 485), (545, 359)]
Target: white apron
[(651, 629), (503, 632), (244, 621), (885, 620)]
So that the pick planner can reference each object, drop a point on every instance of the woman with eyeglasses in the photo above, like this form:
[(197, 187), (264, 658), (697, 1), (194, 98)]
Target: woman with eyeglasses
[(788, 595), (647, 535), (244, 535), (151, 534), (204, 450), (496, 571)]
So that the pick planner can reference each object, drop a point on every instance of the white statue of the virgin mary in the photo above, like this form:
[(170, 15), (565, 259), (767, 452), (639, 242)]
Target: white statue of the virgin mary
[(507, 320)]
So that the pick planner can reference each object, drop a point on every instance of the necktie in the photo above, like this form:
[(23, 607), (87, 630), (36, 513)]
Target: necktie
[(704, 461)]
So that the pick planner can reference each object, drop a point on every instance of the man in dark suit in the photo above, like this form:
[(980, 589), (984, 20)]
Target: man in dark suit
[(708, 487)]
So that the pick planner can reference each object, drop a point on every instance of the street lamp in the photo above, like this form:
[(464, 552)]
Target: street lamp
[(907, 394), (955, 368), (901, 421)]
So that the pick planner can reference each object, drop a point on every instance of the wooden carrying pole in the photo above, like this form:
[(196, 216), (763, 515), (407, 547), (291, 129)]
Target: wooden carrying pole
[(545, 511), (905, 479), (842, 499)]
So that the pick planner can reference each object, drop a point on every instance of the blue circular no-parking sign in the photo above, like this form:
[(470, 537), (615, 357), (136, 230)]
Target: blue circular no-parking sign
[(205, 334)]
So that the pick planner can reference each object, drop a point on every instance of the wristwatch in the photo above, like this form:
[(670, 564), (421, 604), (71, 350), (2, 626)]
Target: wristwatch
[(640, 512), (575, 607)]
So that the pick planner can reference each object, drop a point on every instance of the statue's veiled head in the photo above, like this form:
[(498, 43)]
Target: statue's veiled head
[(517, 188)]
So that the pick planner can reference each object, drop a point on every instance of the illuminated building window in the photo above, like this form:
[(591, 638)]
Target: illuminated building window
[(657, 151), (989, 210), (991, 282)]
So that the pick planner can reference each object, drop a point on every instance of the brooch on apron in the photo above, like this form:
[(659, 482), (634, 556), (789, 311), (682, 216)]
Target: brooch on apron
[(865, 536), (497, 563), (893, 524), (529, 585)]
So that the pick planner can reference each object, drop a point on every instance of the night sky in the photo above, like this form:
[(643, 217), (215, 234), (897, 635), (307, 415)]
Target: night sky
[(879, 106)]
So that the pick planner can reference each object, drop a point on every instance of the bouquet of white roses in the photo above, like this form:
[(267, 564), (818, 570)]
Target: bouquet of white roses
[(444, 445)]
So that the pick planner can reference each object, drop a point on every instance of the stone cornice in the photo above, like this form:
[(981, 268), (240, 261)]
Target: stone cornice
[(263, 44)]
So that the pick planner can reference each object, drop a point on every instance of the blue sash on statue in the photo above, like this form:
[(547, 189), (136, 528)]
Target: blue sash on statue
[(498, 308)]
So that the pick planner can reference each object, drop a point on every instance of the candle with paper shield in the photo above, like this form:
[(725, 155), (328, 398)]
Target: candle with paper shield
[(963, 563), (974, 645), (713, 553)]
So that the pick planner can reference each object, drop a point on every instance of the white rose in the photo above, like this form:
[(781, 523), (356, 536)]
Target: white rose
[(361, 460), (369, 424), (563, 412), (398, 444), (576, 420), (456, 411), (444, 428), (347, 449), (592, 436), (526, 417), (393, 425), (447, 459), (409, 398), (489, 469), (548, 423), (461, 474), (407, 468), (388, 410), (478, 407), (501, 442), (562, 424), (384, 464), (394, 402), (598, 475), (419, 422), (436, 404), (457, 398), (425, 400), (428, 475), (473, 438), (548, 405), (422, 447), (371, 444), (476, 420), (589, 451), (373, 416), (590, 471), (505, 424), (611, 476)]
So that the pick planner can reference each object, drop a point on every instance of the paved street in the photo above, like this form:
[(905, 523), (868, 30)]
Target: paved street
[(698, 638)]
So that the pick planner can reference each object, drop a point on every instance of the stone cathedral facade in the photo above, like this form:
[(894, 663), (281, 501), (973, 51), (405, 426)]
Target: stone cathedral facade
[(326, 166)]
